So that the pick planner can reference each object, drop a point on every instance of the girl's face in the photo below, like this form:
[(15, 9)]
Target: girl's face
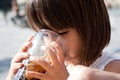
[(73, 42)]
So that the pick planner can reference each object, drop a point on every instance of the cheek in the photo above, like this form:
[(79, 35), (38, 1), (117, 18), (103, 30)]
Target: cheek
[(74, 47)]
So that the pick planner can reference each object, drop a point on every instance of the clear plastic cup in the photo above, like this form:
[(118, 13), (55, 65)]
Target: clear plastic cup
[(42, 39)]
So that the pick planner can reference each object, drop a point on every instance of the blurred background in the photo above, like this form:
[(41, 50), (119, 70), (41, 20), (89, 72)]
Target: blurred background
[(14, 30)]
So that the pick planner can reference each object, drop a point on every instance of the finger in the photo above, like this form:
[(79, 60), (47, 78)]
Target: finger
[(59, 52), (16, 67), (30, 38), (41, 62), (52, 54), (26, 45), (31, 74), (20, 57)]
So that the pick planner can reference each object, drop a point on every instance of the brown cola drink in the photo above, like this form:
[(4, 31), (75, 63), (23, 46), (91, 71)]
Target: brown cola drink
[(34, 67)]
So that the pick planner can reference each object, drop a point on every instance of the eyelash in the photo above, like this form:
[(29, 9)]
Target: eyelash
[(63, 33)]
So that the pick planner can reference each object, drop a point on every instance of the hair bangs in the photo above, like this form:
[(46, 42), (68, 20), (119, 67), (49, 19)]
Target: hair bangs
[(42, 14)]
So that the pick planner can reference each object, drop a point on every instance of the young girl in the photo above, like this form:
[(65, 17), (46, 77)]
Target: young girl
[(84, 25)]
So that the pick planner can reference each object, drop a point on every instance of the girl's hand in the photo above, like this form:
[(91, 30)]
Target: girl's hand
[(16, 62), (55, 70)]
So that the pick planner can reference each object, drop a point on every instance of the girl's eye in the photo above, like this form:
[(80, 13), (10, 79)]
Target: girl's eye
[(63, 33)]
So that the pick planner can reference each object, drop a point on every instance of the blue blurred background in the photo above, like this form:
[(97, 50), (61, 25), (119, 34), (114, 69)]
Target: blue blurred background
[(14, 30)]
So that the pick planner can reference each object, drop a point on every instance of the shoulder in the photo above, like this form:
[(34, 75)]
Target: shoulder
[(113, 66), (80, 72)]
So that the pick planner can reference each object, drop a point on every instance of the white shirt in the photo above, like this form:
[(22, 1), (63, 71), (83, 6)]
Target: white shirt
[(102, 61)]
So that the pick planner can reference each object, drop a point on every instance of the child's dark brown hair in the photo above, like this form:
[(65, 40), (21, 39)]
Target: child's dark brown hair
[(88, 17)]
